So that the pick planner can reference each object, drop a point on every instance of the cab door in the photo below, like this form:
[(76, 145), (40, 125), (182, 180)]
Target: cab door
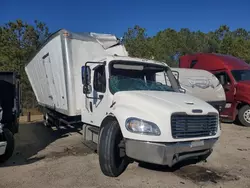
[(228, 85), (100, 100), (96, 102)]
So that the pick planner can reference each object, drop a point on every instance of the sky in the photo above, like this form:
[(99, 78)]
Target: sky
[(110, 16)]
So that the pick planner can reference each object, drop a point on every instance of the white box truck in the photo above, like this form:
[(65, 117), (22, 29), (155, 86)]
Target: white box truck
[(89, 78)]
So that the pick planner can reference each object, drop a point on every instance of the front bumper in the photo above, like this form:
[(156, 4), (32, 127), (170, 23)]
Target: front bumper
[(3, 146), (166, 153)]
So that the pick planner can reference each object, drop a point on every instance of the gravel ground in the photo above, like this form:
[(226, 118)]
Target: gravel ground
[(46, 157)]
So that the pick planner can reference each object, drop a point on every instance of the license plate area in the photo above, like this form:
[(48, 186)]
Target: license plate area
[(197, 143)]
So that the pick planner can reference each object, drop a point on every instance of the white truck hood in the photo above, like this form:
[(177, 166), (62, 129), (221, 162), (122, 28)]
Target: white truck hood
[(156, 107), (163, 101)]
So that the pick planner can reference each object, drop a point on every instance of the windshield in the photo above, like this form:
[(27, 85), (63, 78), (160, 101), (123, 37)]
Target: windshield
[(241, 75), (130, 76)]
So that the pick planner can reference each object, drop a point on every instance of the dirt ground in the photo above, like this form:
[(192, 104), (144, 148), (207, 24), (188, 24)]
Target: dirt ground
[(46, 157)]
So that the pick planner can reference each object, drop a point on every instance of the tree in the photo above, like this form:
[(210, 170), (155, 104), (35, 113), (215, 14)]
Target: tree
[(137, 42), (168, 45), (18, 40)]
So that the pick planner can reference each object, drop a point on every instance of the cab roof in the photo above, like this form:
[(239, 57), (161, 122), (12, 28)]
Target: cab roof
[(127, 58), (232, 62), (221, 61)]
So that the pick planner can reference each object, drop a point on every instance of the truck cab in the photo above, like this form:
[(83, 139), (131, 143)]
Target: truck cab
[(234, 75), (142, 119)]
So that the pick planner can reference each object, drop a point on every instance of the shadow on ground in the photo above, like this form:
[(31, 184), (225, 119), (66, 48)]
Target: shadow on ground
[(236, 122), (193, 172), (35, 137)]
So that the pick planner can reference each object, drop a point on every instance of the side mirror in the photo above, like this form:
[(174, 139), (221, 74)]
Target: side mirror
[(86, 75), (176, 74), (87, 89), (86, 79)]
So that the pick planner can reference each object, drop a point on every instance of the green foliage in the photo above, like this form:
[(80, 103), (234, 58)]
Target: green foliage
[(137, 42), (168, 45), (18, 40)]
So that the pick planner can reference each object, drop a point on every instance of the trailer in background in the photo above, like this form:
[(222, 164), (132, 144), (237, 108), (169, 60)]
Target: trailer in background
[(201, 84), (234, 76)]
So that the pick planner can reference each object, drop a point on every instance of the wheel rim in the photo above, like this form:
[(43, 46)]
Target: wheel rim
[(246, 116)]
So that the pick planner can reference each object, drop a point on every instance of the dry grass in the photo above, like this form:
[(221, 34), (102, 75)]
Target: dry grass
[(33, 118), (33, 111)]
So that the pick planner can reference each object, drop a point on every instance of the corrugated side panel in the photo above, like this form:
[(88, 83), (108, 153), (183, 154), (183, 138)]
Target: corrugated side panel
[(46, 74)]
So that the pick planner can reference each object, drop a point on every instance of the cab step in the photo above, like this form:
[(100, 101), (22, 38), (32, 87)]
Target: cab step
[(94, 129), (90, 136)]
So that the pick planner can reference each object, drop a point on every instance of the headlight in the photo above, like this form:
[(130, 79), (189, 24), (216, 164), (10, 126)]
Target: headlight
[(140, 126)]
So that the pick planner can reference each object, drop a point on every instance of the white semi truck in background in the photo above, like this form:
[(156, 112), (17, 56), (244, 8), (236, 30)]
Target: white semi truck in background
[(89, 78), (199, 83)]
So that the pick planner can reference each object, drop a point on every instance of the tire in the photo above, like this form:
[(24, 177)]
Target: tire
[(8, 136), (111, 163), (244, 115)]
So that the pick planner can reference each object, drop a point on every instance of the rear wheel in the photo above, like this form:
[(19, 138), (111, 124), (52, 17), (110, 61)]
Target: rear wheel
[(244, 115), (111, 148), (8, 137)]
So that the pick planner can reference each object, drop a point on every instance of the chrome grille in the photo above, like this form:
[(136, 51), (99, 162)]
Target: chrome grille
[(191, 126)]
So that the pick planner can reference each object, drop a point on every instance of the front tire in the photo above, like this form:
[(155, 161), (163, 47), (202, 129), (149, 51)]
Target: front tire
[(9, 138), (112, 158), (244, 115)]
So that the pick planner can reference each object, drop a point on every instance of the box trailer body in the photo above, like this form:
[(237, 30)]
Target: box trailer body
[(234, 75), (124, 111), (55, 71), (201, 84)]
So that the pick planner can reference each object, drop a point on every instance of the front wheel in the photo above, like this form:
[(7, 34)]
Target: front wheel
[(244, 115), (111, 148), (9, 138)]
